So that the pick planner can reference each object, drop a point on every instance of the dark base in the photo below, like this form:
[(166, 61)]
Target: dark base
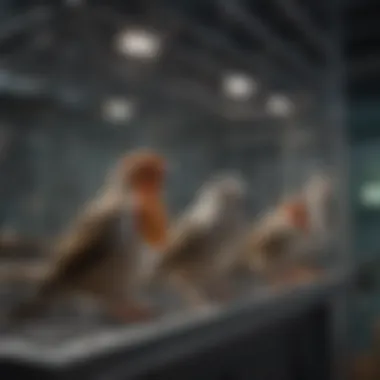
[(284, 337)]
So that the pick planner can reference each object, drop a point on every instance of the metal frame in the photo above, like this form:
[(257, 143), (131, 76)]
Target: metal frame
[(337, 120)]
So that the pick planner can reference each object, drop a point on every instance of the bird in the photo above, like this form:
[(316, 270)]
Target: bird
[(100, 253), (199, 252), (279, 245)]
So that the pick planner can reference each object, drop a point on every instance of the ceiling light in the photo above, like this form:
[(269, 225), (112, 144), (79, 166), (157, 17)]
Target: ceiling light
[(239, 86), (118, 110), (279, 105), (139, 43), (370, 195)]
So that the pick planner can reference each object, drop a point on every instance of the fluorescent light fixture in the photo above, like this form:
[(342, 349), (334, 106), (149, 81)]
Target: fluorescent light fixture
[(239, 86), (370, 195), (118, 110), (139, 43), (279, 105)]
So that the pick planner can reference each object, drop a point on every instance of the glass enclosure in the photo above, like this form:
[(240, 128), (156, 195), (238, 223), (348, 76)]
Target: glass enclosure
[(215, 86)]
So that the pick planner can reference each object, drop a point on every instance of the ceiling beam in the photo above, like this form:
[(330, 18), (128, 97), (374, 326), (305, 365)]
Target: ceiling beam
[(274, 44), (24, 22), (317, 37), (213, 40)]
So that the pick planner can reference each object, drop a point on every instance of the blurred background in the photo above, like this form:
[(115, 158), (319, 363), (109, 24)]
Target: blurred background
[(272, 89), (86, 81)]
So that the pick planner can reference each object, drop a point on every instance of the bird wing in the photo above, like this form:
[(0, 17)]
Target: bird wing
[(269, 237), (186, 243), (89, 242), (274, 242), (78, 251)]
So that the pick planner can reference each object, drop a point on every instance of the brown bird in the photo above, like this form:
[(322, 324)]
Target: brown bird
[(279, 245), (100, 254), (199, 253)]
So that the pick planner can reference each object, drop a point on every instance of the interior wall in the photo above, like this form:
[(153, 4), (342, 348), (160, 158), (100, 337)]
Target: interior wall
[(365, 180)]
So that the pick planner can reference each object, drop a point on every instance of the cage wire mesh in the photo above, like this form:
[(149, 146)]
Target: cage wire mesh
[(213, 85)]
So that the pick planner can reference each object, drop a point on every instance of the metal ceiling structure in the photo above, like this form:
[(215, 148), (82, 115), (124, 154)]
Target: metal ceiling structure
[(63, 53), (41, 53)]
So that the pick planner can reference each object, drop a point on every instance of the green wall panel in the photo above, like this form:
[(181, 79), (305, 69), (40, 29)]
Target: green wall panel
[(364, 128)]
